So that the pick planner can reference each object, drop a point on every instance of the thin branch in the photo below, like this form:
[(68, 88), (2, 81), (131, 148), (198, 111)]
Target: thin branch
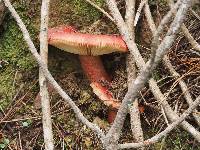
[(195, 14), (167, 17), (171, 69), (190, 38), (48, 75), (130, 15), (100, 9), (139, 10), (169, 112), (45, 102), (149, 18), (161, 98), (136, 127), (111, 139), (166, 131), (183, 86)]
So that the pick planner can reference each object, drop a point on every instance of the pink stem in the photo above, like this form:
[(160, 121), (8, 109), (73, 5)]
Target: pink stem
[(95, 72)]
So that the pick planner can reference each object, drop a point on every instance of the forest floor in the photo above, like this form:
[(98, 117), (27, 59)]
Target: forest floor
[(20, 120)]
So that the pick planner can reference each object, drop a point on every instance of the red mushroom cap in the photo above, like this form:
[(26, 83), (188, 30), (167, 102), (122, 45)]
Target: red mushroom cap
[(67, 39)]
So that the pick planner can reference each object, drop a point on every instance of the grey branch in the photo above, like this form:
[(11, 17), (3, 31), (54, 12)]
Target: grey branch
[(139, 10), (161, 98), (136, 127), (183, 86), (190, 38), (100, 9), (166, 131), (45, 102), (130, 15)]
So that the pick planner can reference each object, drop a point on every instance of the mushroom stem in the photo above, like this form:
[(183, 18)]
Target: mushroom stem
[(112, 112), (96, 73), (93, 68)]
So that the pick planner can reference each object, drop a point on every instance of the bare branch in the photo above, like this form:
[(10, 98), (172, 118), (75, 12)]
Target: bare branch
[(48, 75), (186, 32), (171, 69), (161, 98), (130, 15), (195, 14), (45, 102), (166, 131), (136, 126), (167, 17), (190, 38), (134, 109), (139, 10), (100, 9), (169, 112), (183, 86), (131, 72), (149, 17)]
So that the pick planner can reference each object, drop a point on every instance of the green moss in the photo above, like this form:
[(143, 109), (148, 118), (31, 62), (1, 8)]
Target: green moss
[(13, 48), (6, 88), (85, 11), (14, 54)]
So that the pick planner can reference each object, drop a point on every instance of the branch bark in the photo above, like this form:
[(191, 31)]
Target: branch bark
[(130, 15), (135, 121), (45, 102), (190, 38), (183, 86), (136, 127), (166, 131), (139, 10)]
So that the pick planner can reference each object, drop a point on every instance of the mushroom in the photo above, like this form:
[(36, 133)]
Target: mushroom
[(90, 47), (67, 39)]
